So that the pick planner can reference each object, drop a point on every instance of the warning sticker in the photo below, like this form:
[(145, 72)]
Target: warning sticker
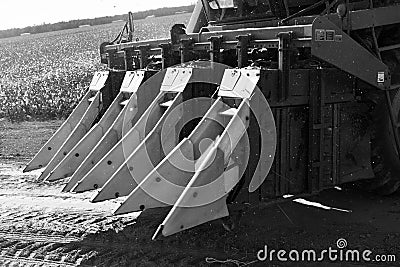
[(330, 35), (320, 35), (381, 77)]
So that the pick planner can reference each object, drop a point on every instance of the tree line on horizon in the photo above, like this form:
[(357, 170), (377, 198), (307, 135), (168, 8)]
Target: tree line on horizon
[(48, 27)]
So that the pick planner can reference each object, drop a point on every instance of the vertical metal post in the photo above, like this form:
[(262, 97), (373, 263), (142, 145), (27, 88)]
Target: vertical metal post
[(278, 152), (129, 64), (284, 156), (335, 141), (284, 64), (241, 48), (185, 49), (215, 48), (131, 26), (166, 55), (143, 55)]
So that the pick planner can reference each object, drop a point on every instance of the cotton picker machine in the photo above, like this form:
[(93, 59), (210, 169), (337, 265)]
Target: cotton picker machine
[(251, 101)]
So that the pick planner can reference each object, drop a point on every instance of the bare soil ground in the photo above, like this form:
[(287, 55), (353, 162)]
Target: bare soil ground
[(40, 226)]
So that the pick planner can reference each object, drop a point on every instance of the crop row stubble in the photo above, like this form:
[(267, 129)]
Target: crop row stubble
[(43, 76)]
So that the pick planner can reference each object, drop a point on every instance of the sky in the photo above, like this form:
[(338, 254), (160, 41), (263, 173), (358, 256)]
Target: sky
[(21, 13)]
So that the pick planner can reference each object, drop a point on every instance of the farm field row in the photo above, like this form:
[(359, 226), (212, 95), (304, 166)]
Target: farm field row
[(43, 76)]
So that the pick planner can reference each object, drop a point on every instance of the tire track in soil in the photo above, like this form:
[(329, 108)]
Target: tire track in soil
[(11, 261), (40, 226), (51, 243)]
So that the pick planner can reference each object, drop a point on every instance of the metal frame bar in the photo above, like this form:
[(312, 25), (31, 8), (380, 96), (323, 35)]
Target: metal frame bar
[(360, 19), (315, 132)]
